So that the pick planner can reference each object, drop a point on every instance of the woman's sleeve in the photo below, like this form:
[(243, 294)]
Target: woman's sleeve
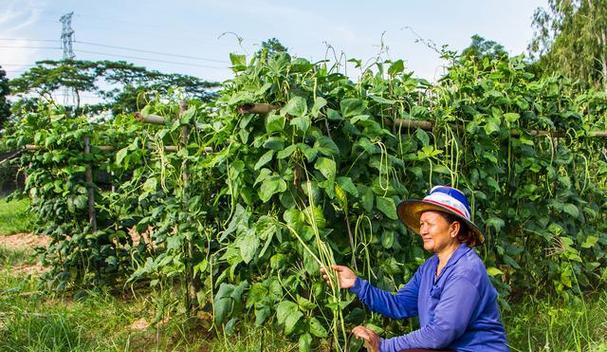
[(401, 305), (451, 318)]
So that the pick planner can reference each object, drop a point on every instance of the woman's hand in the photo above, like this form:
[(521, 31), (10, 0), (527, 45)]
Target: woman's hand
[(370, 337), (345, 276)]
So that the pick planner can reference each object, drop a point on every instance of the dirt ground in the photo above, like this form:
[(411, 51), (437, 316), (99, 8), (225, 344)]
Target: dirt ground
[(25, 242)]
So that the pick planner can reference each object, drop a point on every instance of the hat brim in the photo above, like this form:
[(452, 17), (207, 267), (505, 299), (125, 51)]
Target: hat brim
[(409, 212)]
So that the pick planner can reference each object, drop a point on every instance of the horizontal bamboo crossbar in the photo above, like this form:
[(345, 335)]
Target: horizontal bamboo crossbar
[(263, 108), (259, 108), (109, 148), (153, 119)]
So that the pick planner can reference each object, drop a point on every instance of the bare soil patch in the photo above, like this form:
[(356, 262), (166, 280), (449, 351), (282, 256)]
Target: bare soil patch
[(24, 241)]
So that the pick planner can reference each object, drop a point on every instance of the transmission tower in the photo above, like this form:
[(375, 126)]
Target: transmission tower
[(67, 38)]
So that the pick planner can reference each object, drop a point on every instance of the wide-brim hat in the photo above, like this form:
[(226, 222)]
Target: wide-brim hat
[(443, 199)]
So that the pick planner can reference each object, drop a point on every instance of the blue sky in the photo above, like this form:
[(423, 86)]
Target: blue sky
[(30, 30)]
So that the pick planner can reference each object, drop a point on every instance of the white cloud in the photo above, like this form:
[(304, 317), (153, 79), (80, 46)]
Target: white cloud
[(16, 18)]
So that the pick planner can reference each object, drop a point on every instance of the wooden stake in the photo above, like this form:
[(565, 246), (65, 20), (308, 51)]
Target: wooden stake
[(90, 186)]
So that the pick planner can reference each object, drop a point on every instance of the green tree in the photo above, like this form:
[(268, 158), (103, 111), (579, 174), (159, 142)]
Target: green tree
[(481, 47), (571, 38), (119, 83), (4, 92)]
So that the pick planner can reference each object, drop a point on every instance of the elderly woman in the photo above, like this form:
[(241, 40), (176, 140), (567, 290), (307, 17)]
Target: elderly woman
[(450, 293)]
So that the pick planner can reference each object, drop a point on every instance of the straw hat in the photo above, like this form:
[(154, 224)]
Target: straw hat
[(441, 198)]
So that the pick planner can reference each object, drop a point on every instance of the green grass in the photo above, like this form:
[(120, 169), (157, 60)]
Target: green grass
[(554, 325), (13, 216), (33, 320)]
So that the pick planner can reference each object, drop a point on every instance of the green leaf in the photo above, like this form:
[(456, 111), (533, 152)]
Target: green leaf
[(271, 186), (496, 223), (248, 246), (288, 314), (315, 216), (305, 343), (333, 115), (326, 146), (422, 136), (571, 210), (285, 153), (326, 167), (150, 185), (267, 157), (511, 117), (302, 123), (397, 67), (492, 125), (305, 304), (238, 59), (275, 123), (274, 143), (120, 155), (223, 303), (386, 205), (590, 241), (239, 62), (263, 174), (352, 107), (367, 198), (296, 106), (317, 329), (318, 104), (347, 185), (387, 239), (493, 271)]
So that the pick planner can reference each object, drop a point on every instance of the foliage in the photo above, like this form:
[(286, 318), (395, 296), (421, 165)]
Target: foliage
[(122, 84), (4, 92), (481, 47), (315, 181), (570, 39)]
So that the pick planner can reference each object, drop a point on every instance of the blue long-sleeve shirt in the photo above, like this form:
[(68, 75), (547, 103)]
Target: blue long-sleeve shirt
[(458, 310)]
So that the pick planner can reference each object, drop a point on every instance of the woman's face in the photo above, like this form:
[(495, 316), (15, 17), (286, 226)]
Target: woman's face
[(436, 232)]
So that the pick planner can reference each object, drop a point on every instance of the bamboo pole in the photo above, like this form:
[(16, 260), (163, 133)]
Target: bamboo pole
[(153, 119), (263, 108), (403, 123), (259, 108), (90, 186), (192, 285), (109, 148)]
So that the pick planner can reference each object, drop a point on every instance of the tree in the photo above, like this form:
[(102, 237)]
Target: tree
[(118, 82), (571, 38), (5, 110), (481, 47), (271, 47)]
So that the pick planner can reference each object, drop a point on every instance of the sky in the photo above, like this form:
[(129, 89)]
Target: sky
[(196, 37)]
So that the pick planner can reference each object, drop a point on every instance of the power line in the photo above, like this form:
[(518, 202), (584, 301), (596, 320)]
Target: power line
[(29, 47), (30, 40), (152, 52), (124, 48), (153, 60)]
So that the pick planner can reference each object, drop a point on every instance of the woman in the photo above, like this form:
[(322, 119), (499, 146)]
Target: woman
[(450, 293)]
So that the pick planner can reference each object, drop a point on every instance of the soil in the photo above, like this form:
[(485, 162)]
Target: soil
[(25, 242)]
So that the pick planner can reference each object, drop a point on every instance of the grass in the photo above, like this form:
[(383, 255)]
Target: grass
[(33, 320), (13, 216), (554, 325)]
